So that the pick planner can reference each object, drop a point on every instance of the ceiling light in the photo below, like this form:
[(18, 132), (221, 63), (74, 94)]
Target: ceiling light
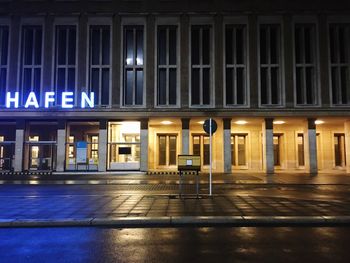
[(166, 122), (241, 122), (319, 122), (201, 122), (278, 122)]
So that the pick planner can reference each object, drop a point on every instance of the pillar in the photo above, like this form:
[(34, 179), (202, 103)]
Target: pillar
[(102, 146), (61, 146), (312, 146), (269, 153), (185, 135), (227, 146), (347, 145), (144, 145), (19, 145)]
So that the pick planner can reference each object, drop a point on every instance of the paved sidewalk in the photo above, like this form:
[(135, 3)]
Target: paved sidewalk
[(119, 210)]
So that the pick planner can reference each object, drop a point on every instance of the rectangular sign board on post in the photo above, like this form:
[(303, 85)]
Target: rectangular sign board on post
[(81, 152)]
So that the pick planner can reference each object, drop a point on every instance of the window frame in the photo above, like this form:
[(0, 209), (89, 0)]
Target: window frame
[(202, 21), (4, 22), (133, 21), (30, 21), (168, 21), (65, 21), (236, 21), (313, 21), (297, 133), (342, 151), (167, 151), (275, 20), (201, 147), (99, 21), (336, 20), (235, 137)]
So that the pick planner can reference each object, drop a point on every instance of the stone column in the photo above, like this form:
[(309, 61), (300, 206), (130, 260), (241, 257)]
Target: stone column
[(347, 145), (19, 146), (144, 145), (102, 146), (61, 146), (312, 146), (227, 146), (269, 154), (185, 135)]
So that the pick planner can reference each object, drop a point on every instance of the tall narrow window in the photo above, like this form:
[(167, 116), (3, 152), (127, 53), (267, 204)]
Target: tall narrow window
[(339, 149), (236, 64), (4, 44), (65, 60), (100, 63), (300, 146), (238, 149), (339, 37), (167, 65), (133, 65), (31, 60), (270, 61), (305, 64), (277, 149), (201, 146), (200, 65), (166, 149)]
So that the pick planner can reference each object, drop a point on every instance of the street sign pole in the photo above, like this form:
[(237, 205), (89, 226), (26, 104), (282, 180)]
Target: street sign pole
[(210, 157), (210, 126)]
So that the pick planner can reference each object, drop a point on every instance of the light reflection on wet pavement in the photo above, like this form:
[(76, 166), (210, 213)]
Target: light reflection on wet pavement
[(240, 244)]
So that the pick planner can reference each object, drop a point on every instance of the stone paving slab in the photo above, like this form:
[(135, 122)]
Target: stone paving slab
[(121, 206)]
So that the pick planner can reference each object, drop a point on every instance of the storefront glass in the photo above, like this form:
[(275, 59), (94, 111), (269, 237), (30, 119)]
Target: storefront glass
[(40, 146), (124, 145), (7, 146), (82, 146)]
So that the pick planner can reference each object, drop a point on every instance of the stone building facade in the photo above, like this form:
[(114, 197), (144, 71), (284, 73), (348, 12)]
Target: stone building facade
[(275, 75)]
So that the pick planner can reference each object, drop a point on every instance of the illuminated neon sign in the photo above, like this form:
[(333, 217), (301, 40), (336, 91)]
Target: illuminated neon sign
[(67, 100)]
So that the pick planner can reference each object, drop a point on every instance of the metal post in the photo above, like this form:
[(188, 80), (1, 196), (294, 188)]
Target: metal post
[(197, 184), (210, 158)]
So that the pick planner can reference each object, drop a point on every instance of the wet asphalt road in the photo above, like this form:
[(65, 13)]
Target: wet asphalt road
[(241, 244)]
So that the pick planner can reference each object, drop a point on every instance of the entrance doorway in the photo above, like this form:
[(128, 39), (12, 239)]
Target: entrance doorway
[(40, 146), (239, 151), (41, 155), (200, 146), (86, 134), (339, 150)]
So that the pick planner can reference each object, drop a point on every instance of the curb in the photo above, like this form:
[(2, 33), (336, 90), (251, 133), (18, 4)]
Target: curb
[(173, 221), (137, 182)]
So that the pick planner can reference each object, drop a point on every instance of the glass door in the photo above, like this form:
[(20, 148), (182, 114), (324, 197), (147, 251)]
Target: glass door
[(201, 146), (238, 151)]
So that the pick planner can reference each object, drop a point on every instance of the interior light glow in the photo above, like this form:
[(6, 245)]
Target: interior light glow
[(201, 122), (278, 122), (241, 122), (319, 122), (166, 122)]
